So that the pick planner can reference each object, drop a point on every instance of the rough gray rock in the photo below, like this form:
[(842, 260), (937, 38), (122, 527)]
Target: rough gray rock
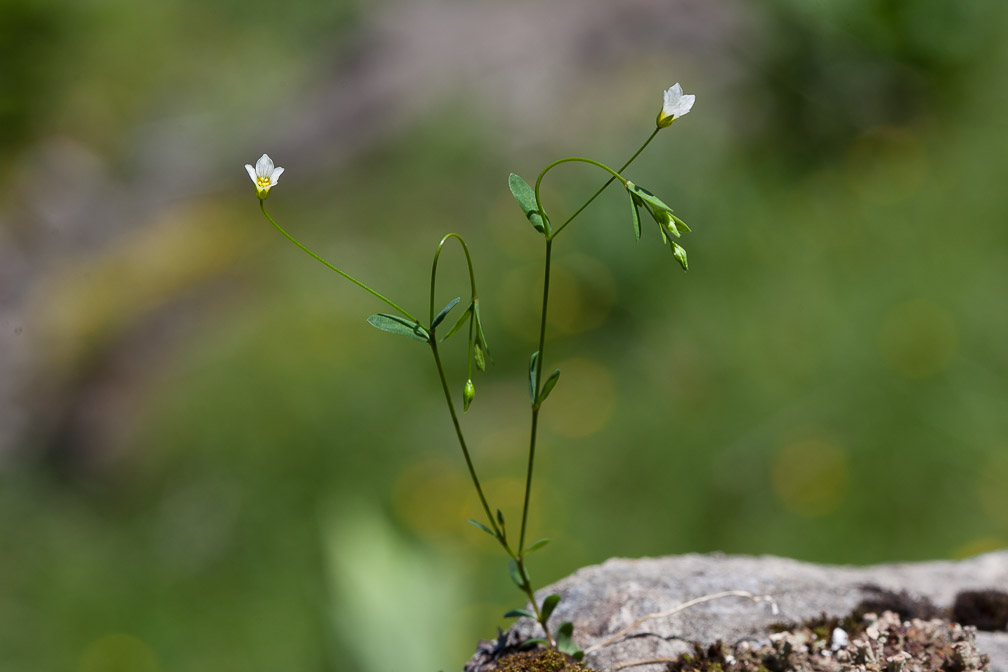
[(603, 599)]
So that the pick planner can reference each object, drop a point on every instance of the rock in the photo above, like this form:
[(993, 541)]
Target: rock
[(603, 599)]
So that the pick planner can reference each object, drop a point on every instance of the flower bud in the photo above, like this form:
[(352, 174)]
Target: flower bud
[(467, 395), (680, 254)]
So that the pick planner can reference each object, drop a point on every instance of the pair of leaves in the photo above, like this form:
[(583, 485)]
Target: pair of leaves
[(548, 605), (538, 399), (525, 196), (401, 326)]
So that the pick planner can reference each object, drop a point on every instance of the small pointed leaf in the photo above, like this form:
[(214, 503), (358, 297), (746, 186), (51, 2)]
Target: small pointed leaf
[(401, 326), (481, 340), (548, 605), (458, 323), (515, 613), (634, 204), (549, 385), (536, 545), (482, 527), (439, 318), (680, 223), (525, 196)]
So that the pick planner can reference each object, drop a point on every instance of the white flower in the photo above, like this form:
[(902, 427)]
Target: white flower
[(264, 175), (675, 105)]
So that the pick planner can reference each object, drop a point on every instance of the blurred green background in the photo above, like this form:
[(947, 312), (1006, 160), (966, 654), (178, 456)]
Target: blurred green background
[(209, 461)]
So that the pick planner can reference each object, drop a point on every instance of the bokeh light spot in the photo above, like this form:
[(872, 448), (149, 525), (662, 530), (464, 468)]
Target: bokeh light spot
[(918, 339), (811, 477), (432, 498), (118, 652)]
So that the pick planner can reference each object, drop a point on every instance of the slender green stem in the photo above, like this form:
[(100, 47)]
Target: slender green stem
[(461, 439), (535, 403), (390, 302), (610, 181), (526, 586)]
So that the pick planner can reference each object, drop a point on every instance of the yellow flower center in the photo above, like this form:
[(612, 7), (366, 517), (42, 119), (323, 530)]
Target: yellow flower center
[(263, 182)]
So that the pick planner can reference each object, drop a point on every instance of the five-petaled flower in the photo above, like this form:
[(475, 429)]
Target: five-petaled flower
[(676, 105), (264, 175)]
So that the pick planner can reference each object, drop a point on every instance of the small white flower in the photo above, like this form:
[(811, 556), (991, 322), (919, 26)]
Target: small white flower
[(676, 105), (264, 175)]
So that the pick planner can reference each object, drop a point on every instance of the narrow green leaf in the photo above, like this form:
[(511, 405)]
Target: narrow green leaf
[(634, 204), (394, 324), (482, 527), (533, 365), (439, 318), (481, 340), (516, 574), (500, 518), (548, 605), (536, 545), (515, 613), (549, 385), (458, 323), (525, 196), (648, 197)]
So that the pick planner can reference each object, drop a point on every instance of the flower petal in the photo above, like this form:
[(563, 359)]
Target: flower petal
[(275, 176), (251, 171), (264, 166)]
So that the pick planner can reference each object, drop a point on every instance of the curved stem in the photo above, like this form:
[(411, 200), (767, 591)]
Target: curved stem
[(610, 180), (390, 302), (461, 439), (437, 255), (569, 159), (474, 301)]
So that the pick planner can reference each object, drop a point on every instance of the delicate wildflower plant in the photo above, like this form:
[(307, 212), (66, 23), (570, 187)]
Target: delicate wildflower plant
[(470, 322), (675, 105), (264, 175)]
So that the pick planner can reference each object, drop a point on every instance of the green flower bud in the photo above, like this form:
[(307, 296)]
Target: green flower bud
[(479, 356), (468, 394), (680, 254)]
